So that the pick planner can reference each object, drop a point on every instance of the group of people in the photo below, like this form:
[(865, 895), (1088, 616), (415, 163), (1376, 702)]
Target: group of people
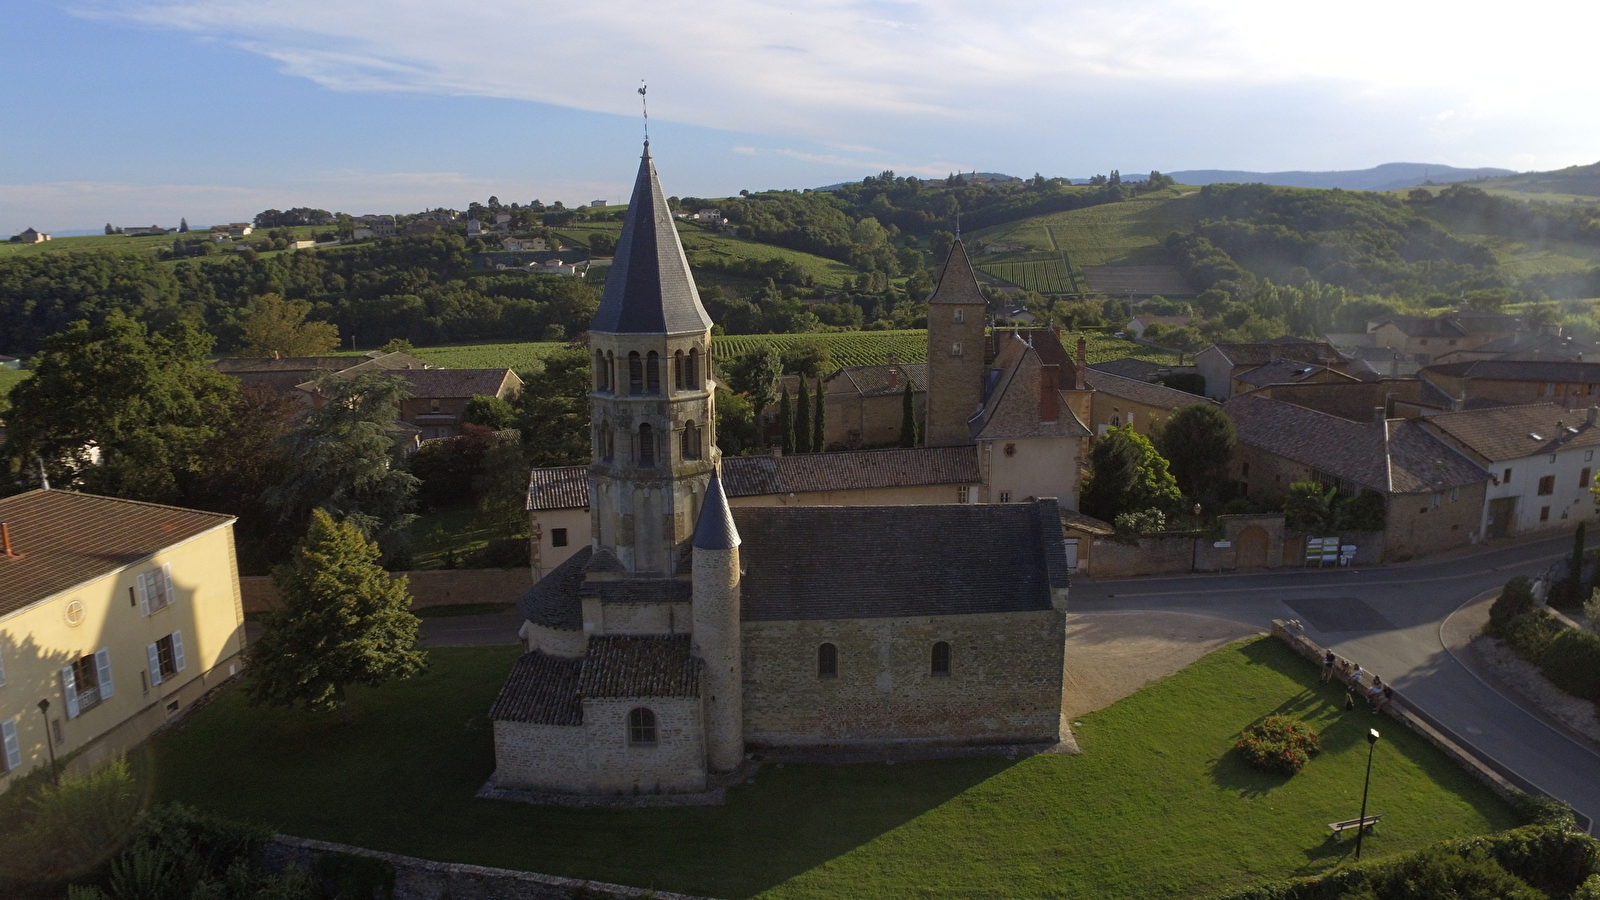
[(1354, 678)]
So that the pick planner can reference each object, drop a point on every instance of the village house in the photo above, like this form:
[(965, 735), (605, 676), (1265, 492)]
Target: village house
[(1119, 401), (438, 397), (1286, 371), (30, 236), (1569, 383), (285, 374), (1427, 338), (1220, 364), (866, 404), (115, 616)]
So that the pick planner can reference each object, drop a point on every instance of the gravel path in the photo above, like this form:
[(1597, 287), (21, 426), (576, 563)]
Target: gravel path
[(1112, 654)]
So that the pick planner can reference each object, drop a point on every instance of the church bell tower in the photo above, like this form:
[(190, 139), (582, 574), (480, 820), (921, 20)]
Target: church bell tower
[(653, 425)]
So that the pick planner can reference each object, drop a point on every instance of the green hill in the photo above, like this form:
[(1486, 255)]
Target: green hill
[(1571, 182)]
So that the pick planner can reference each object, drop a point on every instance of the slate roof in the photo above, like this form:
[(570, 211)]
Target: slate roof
[(715, 529), (1044, 340), (1262, 353), (66, 539), (885, 379), (1283, 371), (1012, 409), (549, 690), (863, 562), (1128, 367), (1158, 395), (560, 487), (957, 282), (554, 602), (1539, 347), (1452, 324), (1522, 370), (1397, 458), (234, 365), (1512, 432), (427, 384), (649, 289)]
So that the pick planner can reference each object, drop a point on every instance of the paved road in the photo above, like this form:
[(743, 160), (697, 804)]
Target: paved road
[(1387, 619)]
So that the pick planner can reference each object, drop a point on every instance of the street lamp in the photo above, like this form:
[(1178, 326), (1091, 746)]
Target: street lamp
[(1361, 824), (44, 710)]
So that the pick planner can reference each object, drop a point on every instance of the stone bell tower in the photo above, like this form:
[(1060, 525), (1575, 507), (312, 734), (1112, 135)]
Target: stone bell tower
[(653, 424), (956, 319)]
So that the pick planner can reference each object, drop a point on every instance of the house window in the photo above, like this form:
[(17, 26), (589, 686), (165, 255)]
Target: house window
[(1544, 513), (1005, 496), (433, 407), (941, 658), (1588, 455), (1244, 470), (1583, 477), (963, 495), (960, 316), (647, 446), (154, 590), (955, 348), (165, 657), (13, 749), (1549, 389), (652, 373), (558, 537), (635, 373), (641, 728), (1433, 502), (1455, 494), (827, 661), (1506, 478), (1547, 485), (1424, 342), (86, 682)]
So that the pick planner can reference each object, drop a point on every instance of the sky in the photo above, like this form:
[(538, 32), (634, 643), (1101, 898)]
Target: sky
[(144, 111)]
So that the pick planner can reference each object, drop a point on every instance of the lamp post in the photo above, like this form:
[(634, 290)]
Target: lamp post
[(49, 742), (1361, 825)]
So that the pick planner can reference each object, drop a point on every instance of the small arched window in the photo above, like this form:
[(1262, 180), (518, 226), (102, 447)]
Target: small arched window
[(647, 446), (827, 661), (600, 382), (611, 371), (692, 377), (679, 382), (652, 374), (691, 440), (641, 728), (941, 658), (607, 442)]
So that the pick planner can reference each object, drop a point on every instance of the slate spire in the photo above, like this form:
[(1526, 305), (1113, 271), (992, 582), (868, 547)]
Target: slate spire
[(715, 529), (649, 289), (957, 283)]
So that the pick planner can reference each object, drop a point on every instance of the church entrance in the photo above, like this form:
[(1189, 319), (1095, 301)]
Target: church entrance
[(1251, 548)]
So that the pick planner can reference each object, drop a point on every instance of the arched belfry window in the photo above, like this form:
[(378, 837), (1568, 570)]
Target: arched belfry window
[(693, 375), (641, 728), (635, 373), (827, 661), (607, 442), (601, 383), (941, 658), (691, 440), (611, 371), (679, 380), (647, 446), (652, 374)]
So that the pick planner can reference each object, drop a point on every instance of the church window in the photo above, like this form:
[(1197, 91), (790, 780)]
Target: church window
[(827, 661), (647, 446), (693, 376), (652, 374), (955, 348), (679, 382), (635, 374), (607, 442), (641, 728), (961, 316), (558, 537), (941, 658), (691, 441), (611, 372), (600, 372)]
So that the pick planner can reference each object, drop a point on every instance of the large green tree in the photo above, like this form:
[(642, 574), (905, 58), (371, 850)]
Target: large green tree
[(1197, 442), (908, 417), (1128, 476), (819, 421), (755, 374), (342, 621), (802, 419), (279, 326), (113, 409), (553, 410), (786, 422)]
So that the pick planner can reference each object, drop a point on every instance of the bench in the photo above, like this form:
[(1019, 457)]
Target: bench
[(1339, 827)]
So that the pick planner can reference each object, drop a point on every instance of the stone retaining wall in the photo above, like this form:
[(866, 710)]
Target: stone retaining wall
[(430, 587)]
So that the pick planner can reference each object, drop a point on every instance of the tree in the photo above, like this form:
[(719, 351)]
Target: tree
[(755, 374), (1309, 507), (183, 226), (116, 410), (343, 621), (280, 326), (347, 461), (1572, 591), (554, 410), (908, 417), (1197, 442), (819, 427), (239, 464), (802, 419), (1128, 475), (109, 229), (786, 422), (502, 482), (490, 412)]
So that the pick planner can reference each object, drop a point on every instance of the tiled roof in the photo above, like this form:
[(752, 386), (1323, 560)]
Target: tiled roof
[(1453, 325), (553, 602), (649, 289), (857, 562), (549, 690), (428, 384), (235, 364), (1420, 462), (1512, 432), (560, 487), (1522, 370), (1158, 395), (1013, 409), (1043, 340), (66, 539), (1263, 353), (957, 283), (882, 380), (1282, 371), (1129, 367)]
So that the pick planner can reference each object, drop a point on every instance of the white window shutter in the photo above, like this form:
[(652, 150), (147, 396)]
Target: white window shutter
[(153, 654), (8, 731), (166, 583), (102, 665), (69, 686), (177, 650), (144, 594)]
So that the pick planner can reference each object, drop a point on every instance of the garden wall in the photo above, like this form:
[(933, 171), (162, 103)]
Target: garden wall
[(1247, 541), (430, 587)]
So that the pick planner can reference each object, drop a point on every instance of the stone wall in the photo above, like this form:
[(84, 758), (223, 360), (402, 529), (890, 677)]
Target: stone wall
[(431, 587), (1004, 686), (595, 757), (1415, 526), (1172, 554)]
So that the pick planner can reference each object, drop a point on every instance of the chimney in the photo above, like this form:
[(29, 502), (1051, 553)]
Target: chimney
[(5, 537), (1049, 392), (892, 374), (1379, 416), (1082, 363), (1593, 415), (777, 451)]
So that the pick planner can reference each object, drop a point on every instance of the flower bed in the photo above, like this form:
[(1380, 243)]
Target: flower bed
[(1279, 744)]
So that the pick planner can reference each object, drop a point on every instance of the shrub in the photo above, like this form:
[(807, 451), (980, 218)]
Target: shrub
[(1278, 744), (1572, 663), (356, 877), (1514, 600), (1535, 809), (1532, 634), (61, 833), (1436, 872)]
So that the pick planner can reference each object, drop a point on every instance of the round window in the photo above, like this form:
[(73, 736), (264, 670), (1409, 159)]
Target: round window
[(74, 613)]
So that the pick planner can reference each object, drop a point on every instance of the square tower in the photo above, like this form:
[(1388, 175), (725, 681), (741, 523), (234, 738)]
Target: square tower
[(956, 318)]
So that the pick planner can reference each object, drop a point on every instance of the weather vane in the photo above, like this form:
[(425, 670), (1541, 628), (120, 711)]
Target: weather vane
[(645, 103)]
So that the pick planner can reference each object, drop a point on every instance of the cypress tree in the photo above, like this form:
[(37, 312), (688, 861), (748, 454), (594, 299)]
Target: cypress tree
[(908, 418), (819, 417), (183, 226), (1574, 585), (786, 422), (802, 419)]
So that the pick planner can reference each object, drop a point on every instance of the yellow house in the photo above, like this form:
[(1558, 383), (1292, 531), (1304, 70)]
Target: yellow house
[(115, 613)]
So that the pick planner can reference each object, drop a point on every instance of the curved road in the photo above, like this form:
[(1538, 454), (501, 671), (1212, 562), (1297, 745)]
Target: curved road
[(1387, 619)]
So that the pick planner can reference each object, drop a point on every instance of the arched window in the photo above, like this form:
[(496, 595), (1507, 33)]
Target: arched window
[(607, 442), (652, 374), (600, 383), (692, 377), (941, 658), (611, 372), (641, 728), (635, 373), (647, 446), (827, 661), (679, 382), (691, 440)]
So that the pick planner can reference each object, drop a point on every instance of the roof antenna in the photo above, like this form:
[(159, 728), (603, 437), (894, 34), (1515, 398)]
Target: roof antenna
[(644, 102)]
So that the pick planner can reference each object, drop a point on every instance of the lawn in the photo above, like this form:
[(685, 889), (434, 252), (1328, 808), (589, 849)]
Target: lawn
[(1156, 806), (458, 529), (10, 378)]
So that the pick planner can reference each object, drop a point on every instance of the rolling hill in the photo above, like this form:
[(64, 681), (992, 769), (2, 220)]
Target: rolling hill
[(1387, 177)]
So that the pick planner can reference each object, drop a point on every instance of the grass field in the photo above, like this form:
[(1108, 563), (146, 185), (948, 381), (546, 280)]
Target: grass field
[(1526, 258), (1115, 234), (122, 243), (1157, 805)]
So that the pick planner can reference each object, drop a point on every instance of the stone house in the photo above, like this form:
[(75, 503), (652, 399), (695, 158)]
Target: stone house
[(1540, 460), (438, 398), (1119, 401), (120, 614), (1220, 364), (1425, 338), (866, 404), (295, 375), (1286, 371), (30, 236), (1433, 494), (1570, 383), (1030, 440)]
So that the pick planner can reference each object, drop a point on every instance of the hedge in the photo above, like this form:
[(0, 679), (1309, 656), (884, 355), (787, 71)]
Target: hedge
[(1572, 663)]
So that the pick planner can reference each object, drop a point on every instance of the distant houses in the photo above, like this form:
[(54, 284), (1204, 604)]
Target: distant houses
[(30, 236)]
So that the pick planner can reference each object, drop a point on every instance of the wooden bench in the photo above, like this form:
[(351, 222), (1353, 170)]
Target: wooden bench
[(1339, 827)]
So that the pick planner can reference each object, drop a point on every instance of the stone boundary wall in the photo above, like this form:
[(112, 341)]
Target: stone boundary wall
[(421, 879), (430, 587)]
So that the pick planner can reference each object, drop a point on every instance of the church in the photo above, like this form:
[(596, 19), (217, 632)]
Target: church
[(688, 631)]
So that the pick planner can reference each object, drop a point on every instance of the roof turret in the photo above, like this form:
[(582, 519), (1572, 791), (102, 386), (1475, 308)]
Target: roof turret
[(649, 289), (957, 283), (715, 530)]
